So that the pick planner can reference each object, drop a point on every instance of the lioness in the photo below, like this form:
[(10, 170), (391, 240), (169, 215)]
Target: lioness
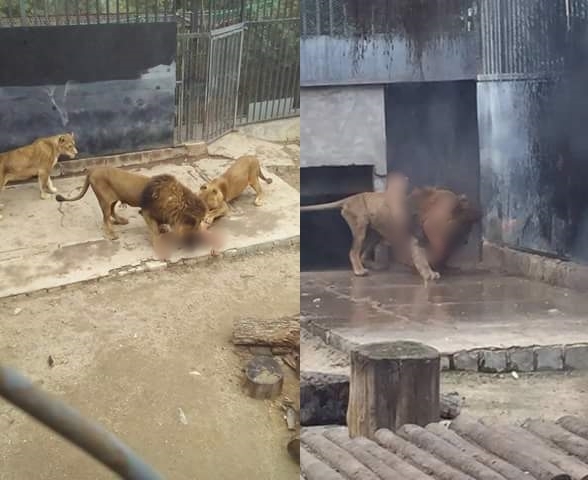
[(220, 191), (166, 201), (36, 159), (112, 185)]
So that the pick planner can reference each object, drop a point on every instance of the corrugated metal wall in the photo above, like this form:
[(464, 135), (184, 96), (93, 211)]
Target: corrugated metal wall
[(522, 106), (347, 42)]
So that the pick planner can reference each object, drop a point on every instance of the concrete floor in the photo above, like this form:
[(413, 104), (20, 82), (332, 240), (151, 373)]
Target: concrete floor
[(462, 311), (46, 244)]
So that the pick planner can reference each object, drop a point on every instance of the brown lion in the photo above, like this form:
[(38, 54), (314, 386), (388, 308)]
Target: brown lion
[(217, 194), (166, 201), (112, 185), (423, 228), (36, 160)]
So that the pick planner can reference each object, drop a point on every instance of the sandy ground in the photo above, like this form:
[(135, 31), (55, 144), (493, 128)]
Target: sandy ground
[(537, 395), (131, 352)]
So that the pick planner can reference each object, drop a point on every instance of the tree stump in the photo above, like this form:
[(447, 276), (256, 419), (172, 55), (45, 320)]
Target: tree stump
[(294, 448), (263, 378), (392, 384)]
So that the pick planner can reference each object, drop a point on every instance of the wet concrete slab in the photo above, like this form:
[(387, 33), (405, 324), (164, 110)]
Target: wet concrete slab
[(46, 244), (462, 311)]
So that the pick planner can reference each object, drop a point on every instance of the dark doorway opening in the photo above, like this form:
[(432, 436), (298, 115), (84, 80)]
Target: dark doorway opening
[(324, 235), (432, 136)]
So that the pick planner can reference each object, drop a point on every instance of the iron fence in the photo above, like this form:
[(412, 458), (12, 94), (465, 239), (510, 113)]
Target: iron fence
[(237, 61)]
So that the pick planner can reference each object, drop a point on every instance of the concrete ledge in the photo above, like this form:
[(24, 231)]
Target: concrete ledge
[(78, 166), (528, 265), (532, 358), (156, 265)]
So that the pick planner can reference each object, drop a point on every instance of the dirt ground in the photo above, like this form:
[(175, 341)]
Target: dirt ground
[(537, 395), (149, 356)]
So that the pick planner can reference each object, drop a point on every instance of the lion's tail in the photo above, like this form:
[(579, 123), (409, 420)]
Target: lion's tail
[(61, 198), (264, 178), (323, 206)]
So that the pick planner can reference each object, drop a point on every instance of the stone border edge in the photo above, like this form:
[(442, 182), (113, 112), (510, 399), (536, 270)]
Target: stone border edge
[(156, 265), (536, 267), (532, 358)]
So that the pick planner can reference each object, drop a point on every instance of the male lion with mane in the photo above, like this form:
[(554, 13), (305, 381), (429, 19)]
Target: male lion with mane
[(36, 160), (423, 227), (166, 201)]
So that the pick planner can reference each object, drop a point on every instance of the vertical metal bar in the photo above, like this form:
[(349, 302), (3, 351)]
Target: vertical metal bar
[(117, 11), (87, 12), (190, 86), (77, 4), (180, 57), (230, 53), (238, 83), (244, 73), (21, 5), (259, 77), (277, 66), (146, 11), (318, 17), (331, 15), (10, 17), (294, 75), (205, 128), (98, 11)]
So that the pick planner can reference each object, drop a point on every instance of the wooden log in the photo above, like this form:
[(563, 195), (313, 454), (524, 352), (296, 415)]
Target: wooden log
[(570, 442), (424, 460), (313, 469), (275, 332), (506, 449), (392, 384), (340, 437), (450, 405), (293, 448), (407, 470), (452, 455), (507, 470), (576, 425), (336, 457), (539, 447), (263, 378)]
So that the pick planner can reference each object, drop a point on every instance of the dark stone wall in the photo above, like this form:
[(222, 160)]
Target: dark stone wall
[(112, 85)]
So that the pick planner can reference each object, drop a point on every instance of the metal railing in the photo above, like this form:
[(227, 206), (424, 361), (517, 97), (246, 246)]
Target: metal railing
[(67, 422), (266, 77)]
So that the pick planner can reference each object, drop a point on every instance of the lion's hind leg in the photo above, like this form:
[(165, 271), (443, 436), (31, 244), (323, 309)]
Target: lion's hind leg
[(254, 182), (358, 227)]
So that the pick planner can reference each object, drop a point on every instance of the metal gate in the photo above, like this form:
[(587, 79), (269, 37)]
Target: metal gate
[(209, 69)]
